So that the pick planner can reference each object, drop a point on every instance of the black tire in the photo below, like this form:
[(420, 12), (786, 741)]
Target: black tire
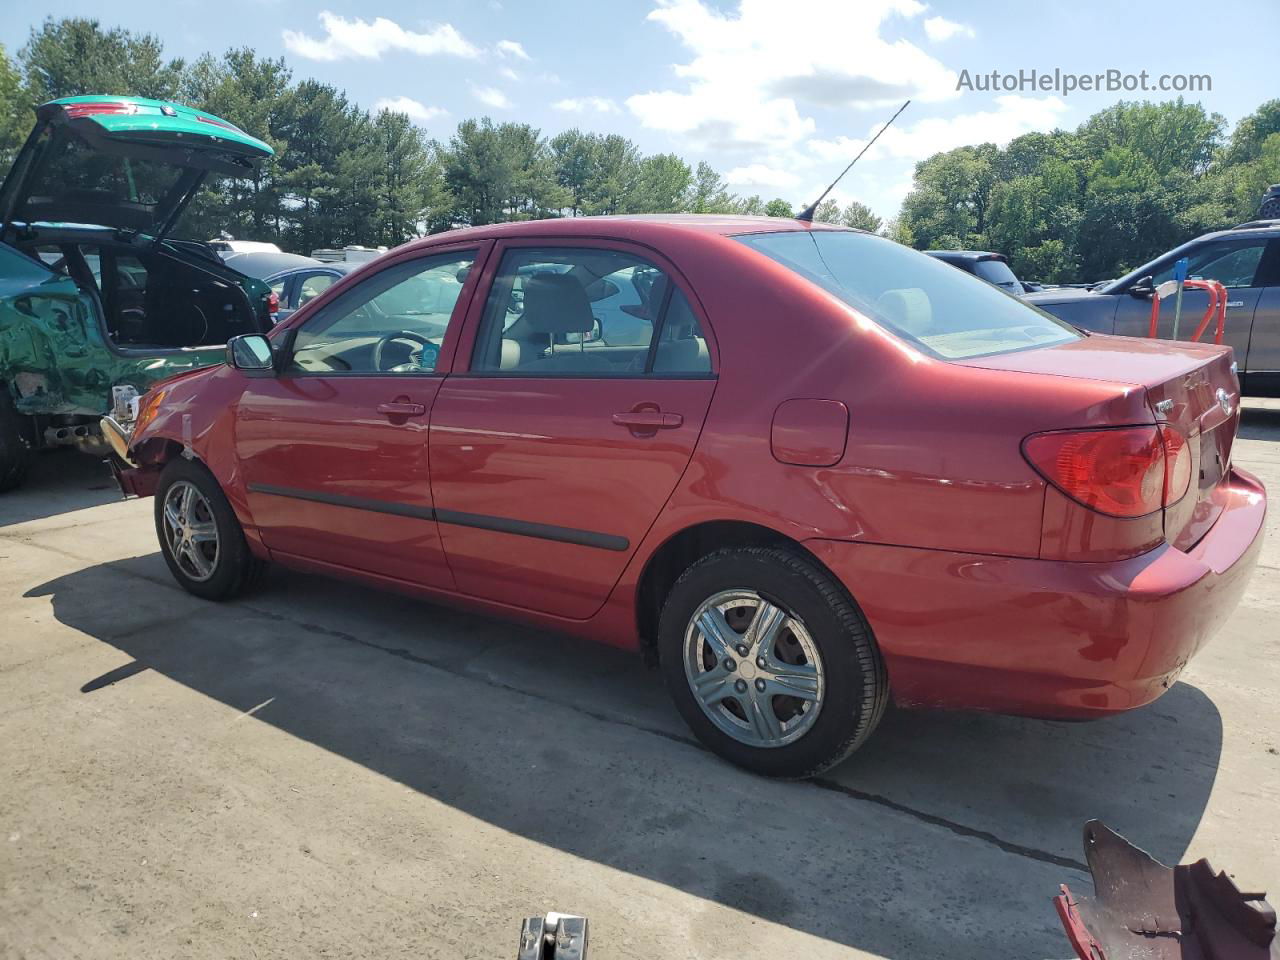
[(16, 452), (235, 567), (855, 688)]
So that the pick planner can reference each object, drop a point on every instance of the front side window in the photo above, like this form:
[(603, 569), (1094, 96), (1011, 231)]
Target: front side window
[(564, 312), (393, 322), (1232, 264), (949, 313), (313, 285)]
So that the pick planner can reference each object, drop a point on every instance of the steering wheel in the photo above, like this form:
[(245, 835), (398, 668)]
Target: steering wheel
[(401, 335)]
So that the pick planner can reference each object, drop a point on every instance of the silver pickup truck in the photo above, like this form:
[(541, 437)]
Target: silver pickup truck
[(1245, 259)]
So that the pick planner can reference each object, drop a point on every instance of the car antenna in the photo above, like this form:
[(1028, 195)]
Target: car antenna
[(807, 213)]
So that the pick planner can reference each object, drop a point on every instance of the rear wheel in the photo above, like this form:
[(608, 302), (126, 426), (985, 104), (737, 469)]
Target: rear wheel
[(770, 661), (200, 537), (15, 447)]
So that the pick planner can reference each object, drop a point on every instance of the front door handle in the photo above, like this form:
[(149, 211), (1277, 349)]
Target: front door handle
[(648, 420), (401, 408)]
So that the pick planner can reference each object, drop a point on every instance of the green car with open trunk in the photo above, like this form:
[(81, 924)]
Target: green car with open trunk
[(98, 299)]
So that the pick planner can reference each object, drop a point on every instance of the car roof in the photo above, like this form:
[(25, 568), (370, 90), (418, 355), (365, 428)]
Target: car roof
[(264, 263), (966, 254), (1267, 228), (639, 227)]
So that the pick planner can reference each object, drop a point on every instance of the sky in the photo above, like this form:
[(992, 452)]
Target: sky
[(777, 95)]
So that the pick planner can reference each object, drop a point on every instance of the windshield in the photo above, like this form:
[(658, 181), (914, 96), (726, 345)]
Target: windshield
[(945, 311)]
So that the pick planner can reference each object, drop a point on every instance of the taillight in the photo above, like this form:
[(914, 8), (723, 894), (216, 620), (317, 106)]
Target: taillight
[(1126, 472), (77, 110), (273, 304), (215, 122)]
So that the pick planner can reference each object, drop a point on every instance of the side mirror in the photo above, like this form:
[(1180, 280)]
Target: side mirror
[(251, 353), (1143, 288)]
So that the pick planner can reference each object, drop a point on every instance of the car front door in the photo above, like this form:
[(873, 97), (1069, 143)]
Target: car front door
[(1234, 263), (1263, 361), (334, 449), (564, 429)]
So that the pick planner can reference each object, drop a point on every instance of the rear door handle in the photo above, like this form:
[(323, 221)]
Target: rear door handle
[(648, 420), (401, 408)]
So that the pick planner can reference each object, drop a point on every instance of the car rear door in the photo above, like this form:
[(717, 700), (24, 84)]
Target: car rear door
[(334, 450), (564, 430)]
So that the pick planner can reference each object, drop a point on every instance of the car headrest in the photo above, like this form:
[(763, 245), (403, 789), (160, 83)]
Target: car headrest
[(556, 303), (908, 309)]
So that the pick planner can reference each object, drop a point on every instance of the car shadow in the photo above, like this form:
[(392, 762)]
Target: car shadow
[(942, 826), (1258, 422), (60, 481)]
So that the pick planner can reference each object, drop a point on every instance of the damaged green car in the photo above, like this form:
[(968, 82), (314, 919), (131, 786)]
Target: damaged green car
[(97, 300)]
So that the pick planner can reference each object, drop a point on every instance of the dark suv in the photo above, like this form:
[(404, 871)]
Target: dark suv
[(1245, 259)]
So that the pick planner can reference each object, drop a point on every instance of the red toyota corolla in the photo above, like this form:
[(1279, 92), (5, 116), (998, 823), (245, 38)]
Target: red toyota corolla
[(809, 468)]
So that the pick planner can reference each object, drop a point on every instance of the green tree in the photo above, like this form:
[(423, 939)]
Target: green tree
[(778, 207), (75, 56), (254, 93), (574, 157), (708, 192), (662, 182), (828, 211), (15, 113), (859, 216)]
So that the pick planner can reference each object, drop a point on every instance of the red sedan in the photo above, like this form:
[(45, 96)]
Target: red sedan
[(808, 468)]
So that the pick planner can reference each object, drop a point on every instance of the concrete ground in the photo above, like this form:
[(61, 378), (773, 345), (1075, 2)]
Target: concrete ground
[(320, 770)]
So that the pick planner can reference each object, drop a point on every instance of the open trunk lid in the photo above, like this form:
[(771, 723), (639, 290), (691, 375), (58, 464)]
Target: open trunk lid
[(122, 162), (1191, 387)]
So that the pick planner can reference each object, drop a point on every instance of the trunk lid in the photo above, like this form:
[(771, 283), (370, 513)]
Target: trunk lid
[(1190, 387), (128, 163)]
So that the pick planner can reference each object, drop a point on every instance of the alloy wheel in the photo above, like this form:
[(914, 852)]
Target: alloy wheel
[(190, 530)]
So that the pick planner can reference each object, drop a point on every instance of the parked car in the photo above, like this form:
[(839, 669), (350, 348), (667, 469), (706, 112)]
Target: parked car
[(294, 279), (834, 472), (988, 266), (1269, 209), (98, 300), (1245, 259), (230, 248)]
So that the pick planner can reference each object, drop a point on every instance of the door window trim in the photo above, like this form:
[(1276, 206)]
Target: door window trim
[(328, 302), (466, 348)]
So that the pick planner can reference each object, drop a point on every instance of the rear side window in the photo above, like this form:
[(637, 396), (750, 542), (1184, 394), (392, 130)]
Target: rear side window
[(587, 312), (997, 272), (947, 312)]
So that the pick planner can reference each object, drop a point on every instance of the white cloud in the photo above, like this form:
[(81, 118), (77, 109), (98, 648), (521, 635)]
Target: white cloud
[(759, 174), (755, 72), (368, 40), (938, 29), (512, 48), (491, 97), (417, 111), (508, 74), (585, 104), (1015, 116)]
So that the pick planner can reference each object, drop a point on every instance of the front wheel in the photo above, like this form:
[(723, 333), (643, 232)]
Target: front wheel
[(770, 662), (200, 537)]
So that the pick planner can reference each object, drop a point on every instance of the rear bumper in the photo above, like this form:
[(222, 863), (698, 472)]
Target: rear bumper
[(1050, 638)]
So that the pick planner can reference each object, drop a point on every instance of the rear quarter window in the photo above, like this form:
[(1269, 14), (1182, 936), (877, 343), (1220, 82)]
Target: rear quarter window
[(948, 313)]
